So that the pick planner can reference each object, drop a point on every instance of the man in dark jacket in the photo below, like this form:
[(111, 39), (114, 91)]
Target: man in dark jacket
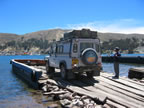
[(116, 62)]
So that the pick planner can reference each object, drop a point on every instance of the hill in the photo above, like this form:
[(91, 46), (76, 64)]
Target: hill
[(6, 37), (57, 33), (44, 34), (118, 36), (40, 40)]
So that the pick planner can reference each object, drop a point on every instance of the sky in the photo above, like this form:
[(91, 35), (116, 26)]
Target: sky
[(118, 16)]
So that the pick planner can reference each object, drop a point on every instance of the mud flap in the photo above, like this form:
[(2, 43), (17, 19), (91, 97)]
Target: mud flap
[(96, 73)]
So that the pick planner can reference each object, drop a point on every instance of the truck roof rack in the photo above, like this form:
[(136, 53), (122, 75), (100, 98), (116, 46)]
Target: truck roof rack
[(84, 33)]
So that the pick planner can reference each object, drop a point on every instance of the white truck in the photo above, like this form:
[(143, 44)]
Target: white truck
[(77, 52)]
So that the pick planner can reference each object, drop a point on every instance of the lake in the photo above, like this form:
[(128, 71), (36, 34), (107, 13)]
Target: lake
[(14, 93)]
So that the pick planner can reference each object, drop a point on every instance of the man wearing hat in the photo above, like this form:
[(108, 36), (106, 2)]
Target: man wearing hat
[(116, 62)]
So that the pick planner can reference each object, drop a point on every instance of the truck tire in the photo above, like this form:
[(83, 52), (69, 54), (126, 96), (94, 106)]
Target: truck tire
[(49, 69), (90, 74), (63, 71)]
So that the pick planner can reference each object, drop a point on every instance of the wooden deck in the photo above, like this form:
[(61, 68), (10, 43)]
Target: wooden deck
[(120, 93)]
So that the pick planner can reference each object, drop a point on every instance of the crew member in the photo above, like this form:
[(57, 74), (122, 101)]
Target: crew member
[(116, 62)]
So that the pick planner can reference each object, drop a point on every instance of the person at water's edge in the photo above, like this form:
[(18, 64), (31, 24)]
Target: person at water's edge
[(116, 62)]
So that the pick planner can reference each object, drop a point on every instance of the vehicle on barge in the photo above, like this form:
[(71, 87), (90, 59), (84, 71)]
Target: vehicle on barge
[(77, 52)]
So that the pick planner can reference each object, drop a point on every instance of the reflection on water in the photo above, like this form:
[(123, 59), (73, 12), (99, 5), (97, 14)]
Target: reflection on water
[(14, 93), (30, 100)]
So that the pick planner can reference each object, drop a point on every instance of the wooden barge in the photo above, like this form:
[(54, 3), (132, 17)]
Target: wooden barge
[(24, 69), (125, 59), (101, 91)]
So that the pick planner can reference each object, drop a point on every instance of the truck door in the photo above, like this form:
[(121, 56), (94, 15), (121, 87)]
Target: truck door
[(52, 57)]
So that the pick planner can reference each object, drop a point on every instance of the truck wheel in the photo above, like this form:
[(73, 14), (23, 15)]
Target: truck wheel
[(63, 72), (49, 69), (89, 74)]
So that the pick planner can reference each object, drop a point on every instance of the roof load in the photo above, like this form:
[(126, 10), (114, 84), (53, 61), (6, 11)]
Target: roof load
[(84, 33)]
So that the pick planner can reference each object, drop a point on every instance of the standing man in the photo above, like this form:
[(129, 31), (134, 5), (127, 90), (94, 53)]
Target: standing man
[(116, 62)]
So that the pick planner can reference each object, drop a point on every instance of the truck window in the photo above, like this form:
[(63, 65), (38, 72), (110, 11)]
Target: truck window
[(61, 49), (97, 47), (83, 46), (51, 50), (66, 48), (75, 48), (57, 49), (54, 49)]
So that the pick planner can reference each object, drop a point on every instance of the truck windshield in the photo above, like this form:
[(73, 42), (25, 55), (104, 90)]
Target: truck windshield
[(86, 45)]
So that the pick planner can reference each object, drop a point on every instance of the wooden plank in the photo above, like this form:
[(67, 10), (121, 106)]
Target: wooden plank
[(111, 95), (42, 81), (124, 78), (121, 86), (55, 93), (114, 88), (133, 81), (114, 104), (122, 95), (124, 82), (123, 92), (110, 91), (76, 89), (131, 84)]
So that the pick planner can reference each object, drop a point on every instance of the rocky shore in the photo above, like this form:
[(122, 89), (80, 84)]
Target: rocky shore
[(69, 99)]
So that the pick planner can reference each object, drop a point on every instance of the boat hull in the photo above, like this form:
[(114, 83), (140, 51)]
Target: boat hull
[(25, 70)]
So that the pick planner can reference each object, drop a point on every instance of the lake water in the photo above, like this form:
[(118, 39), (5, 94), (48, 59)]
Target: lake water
[(14, 93)]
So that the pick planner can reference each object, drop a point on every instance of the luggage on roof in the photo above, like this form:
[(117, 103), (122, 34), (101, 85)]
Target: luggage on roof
[(84, 33)]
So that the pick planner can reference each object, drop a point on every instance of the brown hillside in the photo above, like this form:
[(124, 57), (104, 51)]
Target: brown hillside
[(117, 36), (58, 33), (5, 37), (46, 34)]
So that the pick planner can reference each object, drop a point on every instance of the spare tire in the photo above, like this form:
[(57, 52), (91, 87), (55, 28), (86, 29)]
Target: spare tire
[(89, 56)]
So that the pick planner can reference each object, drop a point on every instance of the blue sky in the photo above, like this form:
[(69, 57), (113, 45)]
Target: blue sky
[(24, 16)]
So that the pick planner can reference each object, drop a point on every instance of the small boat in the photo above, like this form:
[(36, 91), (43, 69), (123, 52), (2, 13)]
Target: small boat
[(24, 68)]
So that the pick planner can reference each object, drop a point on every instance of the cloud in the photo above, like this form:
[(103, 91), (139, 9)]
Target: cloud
[(116, 26)]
